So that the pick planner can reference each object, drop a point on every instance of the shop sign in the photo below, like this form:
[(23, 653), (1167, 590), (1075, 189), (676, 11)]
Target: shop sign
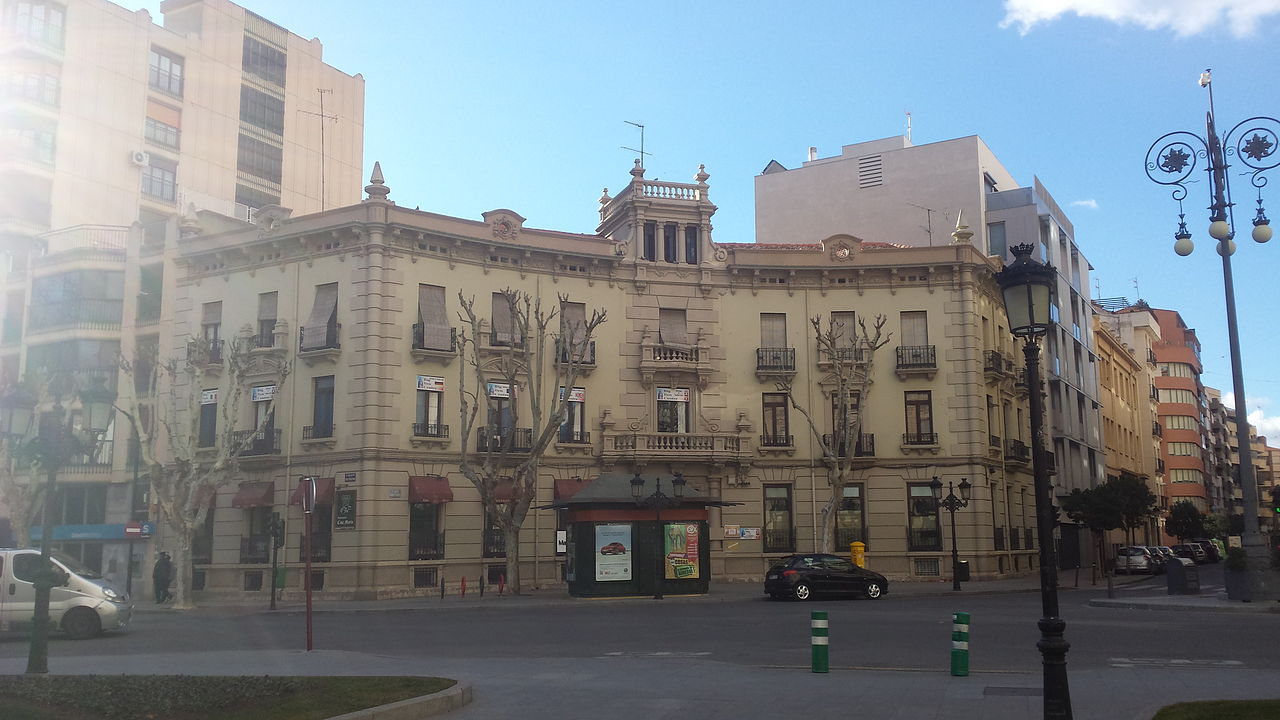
[(673, 395), (209, 397), (680, 543), (499, 390), (613, 552), (576, 395), (344, 509), (430, 382), (262, 394)]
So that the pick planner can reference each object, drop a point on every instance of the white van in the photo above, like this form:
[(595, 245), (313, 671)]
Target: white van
[(83, 607)]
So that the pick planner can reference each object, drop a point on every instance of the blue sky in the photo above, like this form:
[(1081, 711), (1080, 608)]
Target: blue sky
[(472, 106)]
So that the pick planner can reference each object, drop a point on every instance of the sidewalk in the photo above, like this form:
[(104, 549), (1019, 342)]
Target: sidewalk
[(719, 592)]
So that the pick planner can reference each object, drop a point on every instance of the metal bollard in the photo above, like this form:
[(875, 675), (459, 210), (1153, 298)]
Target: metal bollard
[(481, 583), (441, 586), (960, 644), (818, 640)]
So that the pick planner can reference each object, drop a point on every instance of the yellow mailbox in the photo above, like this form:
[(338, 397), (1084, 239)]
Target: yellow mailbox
[(858, 553)]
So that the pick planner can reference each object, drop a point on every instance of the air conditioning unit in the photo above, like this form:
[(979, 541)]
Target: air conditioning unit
[(138, 158)]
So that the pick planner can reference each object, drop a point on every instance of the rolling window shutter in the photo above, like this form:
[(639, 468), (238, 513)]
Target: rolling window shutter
[(267, 303), (503, 325), (436, 332), (315, 333), (211, 313), (573, 323), (915, 329), (672, 329), (773, 330), (843, 322)]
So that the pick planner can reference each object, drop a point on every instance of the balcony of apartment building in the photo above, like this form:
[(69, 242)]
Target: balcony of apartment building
[(995, 365), (1020, 384), (320, 343), (709, 447), (916, 360), (581, 354), (497, 439), (864, 447), (429, 434), (79, 314), (1157, 429), (324, 435), (775, 362), (676, 361), (262, 443), (856, 357), (1017, 451), (205, 354), (433, 343)]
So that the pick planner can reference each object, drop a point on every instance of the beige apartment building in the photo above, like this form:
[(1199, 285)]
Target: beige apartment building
[(363, 302), (894, 190), (113, 126)]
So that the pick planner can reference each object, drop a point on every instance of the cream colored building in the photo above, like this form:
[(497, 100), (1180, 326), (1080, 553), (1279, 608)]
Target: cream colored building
[(684, 380), (112, 126)]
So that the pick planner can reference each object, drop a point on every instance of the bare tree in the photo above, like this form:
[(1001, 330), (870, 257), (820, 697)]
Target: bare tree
[(20, 486), (521, 355), (849, 353), (165, 411)]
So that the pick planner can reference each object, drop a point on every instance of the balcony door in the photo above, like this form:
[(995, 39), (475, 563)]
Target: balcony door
[(673, 410)]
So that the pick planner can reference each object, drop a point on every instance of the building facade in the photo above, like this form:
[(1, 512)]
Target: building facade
[(1183, 408), (114, 126), (371, 291)]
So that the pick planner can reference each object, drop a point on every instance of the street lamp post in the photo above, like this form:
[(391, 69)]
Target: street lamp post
[(951, 504), (1170, 161), (1027, 286), (658, 500)]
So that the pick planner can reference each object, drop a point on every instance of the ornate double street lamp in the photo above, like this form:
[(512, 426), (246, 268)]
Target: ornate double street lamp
[(1170, 161), (951, 504), (658, 501), (1028, 285), (56, 441)]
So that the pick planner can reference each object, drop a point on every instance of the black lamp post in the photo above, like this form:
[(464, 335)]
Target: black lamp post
[(951, 504), (1170, 161), (1027, 286), (658, 500), (56, 441)]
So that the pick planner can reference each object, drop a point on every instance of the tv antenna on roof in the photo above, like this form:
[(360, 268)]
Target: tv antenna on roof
[(928, 213), (641, 150), (323, 117), (908, 113)]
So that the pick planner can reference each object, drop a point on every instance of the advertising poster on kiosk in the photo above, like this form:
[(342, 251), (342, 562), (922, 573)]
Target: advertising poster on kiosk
[(680, 546), (613, 552)]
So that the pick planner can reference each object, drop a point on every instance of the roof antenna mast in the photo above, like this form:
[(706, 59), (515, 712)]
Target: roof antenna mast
[(641, 150), (323, 117), (908, 113)]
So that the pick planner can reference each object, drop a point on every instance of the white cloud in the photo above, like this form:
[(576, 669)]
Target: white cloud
[(1183, 17), (1086, 203), (1263, 422)]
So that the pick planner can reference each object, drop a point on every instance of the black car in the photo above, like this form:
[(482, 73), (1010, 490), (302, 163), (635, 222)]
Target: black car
[(804, 576)]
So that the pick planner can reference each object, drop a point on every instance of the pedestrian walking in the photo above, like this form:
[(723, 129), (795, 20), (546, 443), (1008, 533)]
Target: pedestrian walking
[(161, 575)]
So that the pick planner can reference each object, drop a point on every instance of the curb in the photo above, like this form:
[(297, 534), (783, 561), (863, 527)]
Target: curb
[(1244, 608), (414, 708)]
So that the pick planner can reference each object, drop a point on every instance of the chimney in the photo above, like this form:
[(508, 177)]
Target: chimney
[(813, 153)]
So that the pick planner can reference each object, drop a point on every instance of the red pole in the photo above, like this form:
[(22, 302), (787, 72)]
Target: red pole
[(502, 582), (464, 586)]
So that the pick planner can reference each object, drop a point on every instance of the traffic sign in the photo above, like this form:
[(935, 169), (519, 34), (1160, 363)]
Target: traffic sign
[(133, 530)]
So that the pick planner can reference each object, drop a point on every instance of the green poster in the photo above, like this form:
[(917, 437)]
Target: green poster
[(680, 547), (344, 510)]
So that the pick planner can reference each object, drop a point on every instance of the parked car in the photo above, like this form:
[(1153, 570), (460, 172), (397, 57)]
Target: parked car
[(1158, 560), (806, 576), (1191, 551), (83, 606), (1134, 559), (1211, 551)]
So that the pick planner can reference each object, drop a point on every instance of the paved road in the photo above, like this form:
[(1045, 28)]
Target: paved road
[(738, 657)]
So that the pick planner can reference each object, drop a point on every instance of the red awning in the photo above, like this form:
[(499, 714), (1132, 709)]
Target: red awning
[(324, 492), (568, 487), (503, 490), (255, 494), (429, 489)]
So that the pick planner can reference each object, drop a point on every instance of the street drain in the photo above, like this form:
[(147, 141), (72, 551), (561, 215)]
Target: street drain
[(1015, 691)]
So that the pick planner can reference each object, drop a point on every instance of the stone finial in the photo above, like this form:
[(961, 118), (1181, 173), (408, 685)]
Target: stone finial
[(962, 234), (638, 170), (189, 223), (604, 197), (702, 175), (377, 188)]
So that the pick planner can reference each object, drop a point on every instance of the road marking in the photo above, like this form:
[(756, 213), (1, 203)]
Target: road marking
[(1173, 663), (658, 654)]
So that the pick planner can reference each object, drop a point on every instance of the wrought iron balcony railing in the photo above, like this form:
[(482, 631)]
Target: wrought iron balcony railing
[(317, 432), (777, 440), (261, 442), (326, 338), (431, 430), (583, 353), (864, 447), (775, 359), (1017, 450), (575, 437), (499, 439), (917, 357), (421, 341), (919, 438)]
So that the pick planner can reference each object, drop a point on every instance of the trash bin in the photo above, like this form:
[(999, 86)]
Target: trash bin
[(962, 571), (1182, 578)]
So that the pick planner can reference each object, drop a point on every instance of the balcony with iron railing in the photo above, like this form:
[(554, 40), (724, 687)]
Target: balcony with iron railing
[(777, 441), (846, 355), (580, 353), (1157, 429), (318, 432), (426, 546), (426, 345), (260, 442), (924, 540), (864, 447), (993, 364), (430, 430), (686, 447), (916, 360), (573, 437), (780, 361), (499, 439), (205, 352), (1017, 451), (320, 338), (919, 439)]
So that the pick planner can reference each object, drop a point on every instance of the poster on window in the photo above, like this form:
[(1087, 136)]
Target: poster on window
[(673, 394), (613, 552), (680, 547), (262, 393), (498, 390), (431, 382)]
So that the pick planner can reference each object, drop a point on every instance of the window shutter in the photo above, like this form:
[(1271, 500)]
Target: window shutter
[(672, 328), (503, 324), (573, 323), (211, 313), (843, 322), (915, 329), (773, 330), (436, 332), (267, 303), (316, 332)]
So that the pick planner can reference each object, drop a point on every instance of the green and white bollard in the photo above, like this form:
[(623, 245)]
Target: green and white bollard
[(818, 640), (960, 644)]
